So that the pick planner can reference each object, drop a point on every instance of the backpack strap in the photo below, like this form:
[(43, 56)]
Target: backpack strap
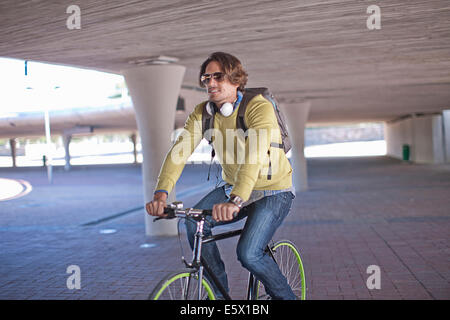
[(207, 123), (249, 94)]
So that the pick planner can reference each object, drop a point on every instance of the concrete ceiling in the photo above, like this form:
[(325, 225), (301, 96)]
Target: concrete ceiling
[(314, 50)]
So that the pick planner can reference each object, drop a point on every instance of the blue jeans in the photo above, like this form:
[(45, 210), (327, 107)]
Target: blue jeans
[(263, 218)]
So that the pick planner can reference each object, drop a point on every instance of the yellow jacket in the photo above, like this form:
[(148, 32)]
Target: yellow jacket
[(248, 164)]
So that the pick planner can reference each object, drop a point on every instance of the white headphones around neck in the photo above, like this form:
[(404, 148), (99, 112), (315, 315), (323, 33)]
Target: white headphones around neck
[(226, 110)]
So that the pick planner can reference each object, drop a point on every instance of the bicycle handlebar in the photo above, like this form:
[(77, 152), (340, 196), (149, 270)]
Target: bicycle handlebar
[(189, 212), (176, 211)]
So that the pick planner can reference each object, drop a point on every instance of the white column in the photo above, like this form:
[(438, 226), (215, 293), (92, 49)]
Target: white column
[(438, 140), (296, 117), (12, 144), (133, 139), (154, 90), (49, 152), (446, 134), (66, 141)]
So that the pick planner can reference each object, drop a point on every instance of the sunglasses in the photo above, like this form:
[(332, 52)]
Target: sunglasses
[(218, 76)]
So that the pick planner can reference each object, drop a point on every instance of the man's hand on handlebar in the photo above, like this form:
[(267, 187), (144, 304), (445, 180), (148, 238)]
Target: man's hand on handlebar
[(156, 206), (224, 211), (221, 212)]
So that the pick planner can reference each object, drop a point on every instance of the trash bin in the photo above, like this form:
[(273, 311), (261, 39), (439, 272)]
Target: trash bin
[(406, 152)]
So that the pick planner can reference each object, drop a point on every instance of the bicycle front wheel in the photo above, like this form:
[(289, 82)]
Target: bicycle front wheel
[(182, 285), (290, 263)]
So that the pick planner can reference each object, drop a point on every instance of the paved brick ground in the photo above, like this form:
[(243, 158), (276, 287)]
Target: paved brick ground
[(358, 212)]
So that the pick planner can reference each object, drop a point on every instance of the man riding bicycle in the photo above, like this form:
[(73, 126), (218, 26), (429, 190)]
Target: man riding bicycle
[(257, 173)]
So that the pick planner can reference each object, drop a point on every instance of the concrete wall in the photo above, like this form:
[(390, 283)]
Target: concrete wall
[(425, 136), (397, 134)]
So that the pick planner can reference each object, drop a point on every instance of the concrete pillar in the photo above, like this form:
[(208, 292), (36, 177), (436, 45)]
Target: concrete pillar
[(296, 117), (437, 139), (12, 145), (154, 90), (133, 140), (446, 133), (66, 141)]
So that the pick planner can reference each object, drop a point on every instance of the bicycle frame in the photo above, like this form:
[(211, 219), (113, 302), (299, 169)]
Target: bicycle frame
[(200, 264)]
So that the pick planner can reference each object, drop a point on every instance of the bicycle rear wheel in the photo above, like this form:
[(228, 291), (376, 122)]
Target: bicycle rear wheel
[(290, 263), (182, 285)]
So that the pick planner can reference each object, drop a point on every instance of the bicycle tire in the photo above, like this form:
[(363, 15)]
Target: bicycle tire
[(171, 287), (288, 259)]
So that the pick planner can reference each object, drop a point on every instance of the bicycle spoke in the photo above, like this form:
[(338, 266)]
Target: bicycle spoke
[(170, 293)]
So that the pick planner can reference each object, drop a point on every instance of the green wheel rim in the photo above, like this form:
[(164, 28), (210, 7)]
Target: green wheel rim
[(205, 284)]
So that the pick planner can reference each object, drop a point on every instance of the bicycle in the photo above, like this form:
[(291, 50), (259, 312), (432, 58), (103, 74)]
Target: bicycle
[(190, 284)]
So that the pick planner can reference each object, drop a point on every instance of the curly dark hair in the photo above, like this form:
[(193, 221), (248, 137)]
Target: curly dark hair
[(230, 65)]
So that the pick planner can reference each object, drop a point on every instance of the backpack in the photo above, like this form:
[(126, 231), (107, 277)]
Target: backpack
[(249, 94)]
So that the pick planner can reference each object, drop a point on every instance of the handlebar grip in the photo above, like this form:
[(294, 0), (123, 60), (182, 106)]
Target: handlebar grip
[(169, 212), (207, 212)]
